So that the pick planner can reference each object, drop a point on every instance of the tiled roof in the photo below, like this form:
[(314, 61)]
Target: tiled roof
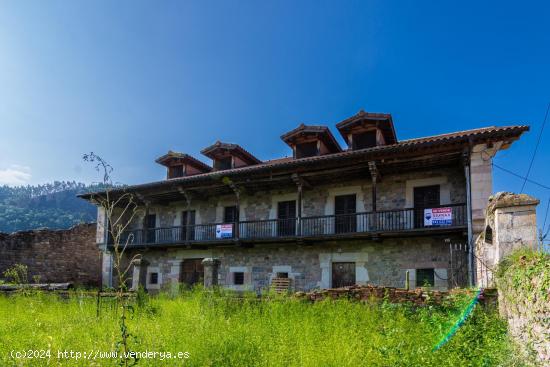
[(463, 137)]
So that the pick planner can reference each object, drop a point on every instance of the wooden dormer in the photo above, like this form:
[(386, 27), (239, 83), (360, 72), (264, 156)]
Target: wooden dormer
[(311, 140), (367, 130), (227, 156), (181, 165)]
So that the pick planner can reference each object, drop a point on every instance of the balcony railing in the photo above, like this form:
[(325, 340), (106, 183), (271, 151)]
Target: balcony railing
[(450, 216)]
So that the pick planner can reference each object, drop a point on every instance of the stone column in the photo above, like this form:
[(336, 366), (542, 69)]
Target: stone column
[(210, 272), (139, 275), (510, 223), (106, 269)]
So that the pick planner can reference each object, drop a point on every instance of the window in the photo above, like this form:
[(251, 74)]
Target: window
[(175, 171), (425, 277), (230, 214), (307, 150), (489, 235), (238, 278), (223, 163), (153, 278), (282, 275), (364, 140)]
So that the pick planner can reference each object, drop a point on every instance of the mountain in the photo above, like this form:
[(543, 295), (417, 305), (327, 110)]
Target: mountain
[(53, 205)]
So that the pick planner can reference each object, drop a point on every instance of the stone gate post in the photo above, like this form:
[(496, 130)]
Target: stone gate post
[(210, 272), (510, 223)]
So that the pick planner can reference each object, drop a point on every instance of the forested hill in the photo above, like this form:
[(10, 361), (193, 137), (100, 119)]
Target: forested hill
[(53, 205)]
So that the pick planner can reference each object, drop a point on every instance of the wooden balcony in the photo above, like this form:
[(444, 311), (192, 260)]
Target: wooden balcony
[(367, 224)]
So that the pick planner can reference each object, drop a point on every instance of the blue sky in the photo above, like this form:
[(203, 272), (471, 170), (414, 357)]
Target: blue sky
[(131, 79)]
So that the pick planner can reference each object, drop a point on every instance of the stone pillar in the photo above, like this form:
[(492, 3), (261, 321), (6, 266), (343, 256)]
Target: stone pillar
[(139, 275), (481, 182), (211, 266), (510, 223), (106, 269)]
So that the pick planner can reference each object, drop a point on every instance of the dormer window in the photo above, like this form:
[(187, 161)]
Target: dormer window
[(367, 130), (175, 171), (181, 165), (223, 163), (307, 150), (227, 156), (311, 140), (364, 140)]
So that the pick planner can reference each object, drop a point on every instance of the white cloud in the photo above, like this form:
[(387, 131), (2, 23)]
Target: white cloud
[(15, 175)]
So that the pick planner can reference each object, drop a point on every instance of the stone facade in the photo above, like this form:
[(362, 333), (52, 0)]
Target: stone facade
[(395, 191), (383, 262), (55, 255)]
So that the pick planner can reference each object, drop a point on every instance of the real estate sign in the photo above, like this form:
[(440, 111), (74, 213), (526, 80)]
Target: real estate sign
[(438, 217), (224, 230)]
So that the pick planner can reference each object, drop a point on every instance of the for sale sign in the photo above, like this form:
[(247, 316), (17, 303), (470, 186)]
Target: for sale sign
[(224, 230), (438, 217)]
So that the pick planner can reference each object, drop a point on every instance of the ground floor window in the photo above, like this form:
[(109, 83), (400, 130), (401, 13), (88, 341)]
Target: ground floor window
[(425, 277), (153, 278), (238, 278)]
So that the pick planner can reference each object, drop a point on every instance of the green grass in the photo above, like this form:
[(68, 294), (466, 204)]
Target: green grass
[(222, 331)]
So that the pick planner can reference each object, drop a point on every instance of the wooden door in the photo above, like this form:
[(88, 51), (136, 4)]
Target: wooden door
[(231, 215), (192, 271), (343, 274), (344, 209), (425, 197), (286, 215), (188, 225), (150, 224)]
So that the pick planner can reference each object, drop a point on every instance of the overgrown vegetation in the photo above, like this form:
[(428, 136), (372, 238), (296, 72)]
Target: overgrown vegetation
[(523, 279), (53, 205), (218, 330), (527, 272)]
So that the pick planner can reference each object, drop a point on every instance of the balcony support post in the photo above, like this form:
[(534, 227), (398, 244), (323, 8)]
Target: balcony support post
[(188, 217), (144, 224), (375, 175), (300, 183), (237, 192), (467, 174)]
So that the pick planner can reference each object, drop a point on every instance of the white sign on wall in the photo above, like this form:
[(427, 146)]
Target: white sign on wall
[(438, 217), (224, 230)]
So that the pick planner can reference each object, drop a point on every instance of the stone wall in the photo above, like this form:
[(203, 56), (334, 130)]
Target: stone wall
[(524, 300), (54, 255), (383, 262)]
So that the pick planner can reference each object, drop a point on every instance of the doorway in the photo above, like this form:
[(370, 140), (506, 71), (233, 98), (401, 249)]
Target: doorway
[(343, 274), (192, 272)]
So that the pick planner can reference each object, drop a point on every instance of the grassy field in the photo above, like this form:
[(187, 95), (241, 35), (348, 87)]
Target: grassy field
[(222, 331)]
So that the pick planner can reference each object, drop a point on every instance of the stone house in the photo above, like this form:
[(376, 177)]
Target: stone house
[(327, 216)]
